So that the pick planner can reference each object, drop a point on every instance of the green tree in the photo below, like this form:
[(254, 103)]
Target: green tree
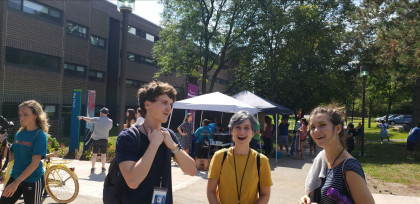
[(197, 36)]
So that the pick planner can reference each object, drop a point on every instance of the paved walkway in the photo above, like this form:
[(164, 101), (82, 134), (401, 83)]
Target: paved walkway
[(288, 177)]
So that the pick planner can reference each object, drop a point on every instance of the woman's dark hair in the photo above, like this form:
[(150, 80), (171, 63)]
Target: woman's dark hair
[(267, 120), (152, 90), (305, 121), (131, 116), (206, 122), (335, 115), (350, 125), (187, 116)]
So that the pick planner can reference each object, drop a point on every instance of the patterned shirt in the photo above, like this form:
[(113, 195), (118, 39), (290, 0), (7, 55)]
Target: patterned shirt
[(335, 179)]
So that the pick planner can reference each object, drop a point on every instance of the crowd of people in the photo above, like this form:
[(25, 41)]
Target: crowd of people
[(238, 174)]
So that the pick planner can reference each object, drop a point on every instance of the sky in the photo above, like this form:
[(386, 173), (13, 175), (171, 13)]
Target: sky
[(148, 9)]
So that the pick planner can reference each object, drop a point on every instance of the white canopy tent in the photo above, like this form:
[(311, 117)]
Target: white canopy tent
[(215, 101)]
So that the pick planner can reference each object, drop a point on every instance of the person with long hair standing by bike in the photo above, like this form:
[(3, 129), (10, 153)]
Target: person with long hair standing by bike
[(28, 148)]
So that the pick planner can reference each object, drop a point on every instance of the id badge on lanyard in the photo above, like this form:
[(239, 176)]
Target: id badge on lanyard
[(159, 194)]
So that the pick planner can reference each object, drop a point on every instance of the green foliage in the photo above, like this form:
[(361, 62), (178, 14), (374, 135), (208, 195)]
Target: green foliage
[(52, 144), (62, 150), (110, 151), (87, 154), (197, 36)]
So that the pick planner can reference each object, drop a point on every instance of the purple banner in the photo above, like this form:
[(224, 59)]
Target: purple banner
[(192, 92)]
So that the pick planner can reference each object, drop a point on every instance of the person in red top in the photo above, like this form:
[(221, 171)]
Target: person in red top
[(302, 136)]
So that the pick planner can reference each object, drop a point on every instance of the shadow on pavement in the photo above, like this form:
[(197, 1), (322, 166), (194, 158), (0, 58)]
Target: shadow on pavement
[(95, 177)]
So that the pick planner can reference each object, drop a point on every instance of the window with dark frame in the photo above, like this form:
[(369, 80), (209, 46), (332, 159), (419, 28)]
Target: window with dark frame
[(74, 69), (23, 57), (140, 59), (142, 34), (76, 29), (97, 41), (51, 111), (134, 83), (96, 75), (38, 9)]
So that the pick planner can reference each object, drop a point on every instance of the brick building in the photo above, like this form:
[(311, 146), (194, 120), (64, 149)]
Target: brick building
[(50, 47)]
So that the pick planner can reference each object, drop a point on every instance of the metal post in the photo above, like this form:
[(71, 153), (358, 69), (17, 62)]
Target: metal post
[(362, 147), (123, 75)]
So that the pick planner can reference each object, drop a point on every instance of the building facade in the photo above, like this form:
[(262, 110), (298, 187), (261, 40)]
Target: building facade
[(50, 47)]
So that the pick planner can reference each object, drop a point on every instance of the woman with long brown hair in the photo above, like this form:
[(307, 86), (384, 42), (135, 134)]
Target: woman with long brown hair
[(28, 148), (334, 167), (131, 118)]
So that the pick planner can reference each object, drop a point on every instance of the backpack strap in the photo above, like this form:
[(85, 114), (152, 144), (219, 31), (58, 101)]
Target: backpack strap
[(224, 157), (258, 168)]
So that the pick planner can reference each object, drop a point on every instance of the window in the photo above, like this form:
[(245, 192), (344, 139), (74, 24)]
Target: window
[(149, 60), (150, 37), (131, 57), (75, 70), (76, 29), (178, 90), (97, 41), (96, 75), (142, 34), (24, 57), (134, 83), (10, 110), (131, 30), (37, 9), (140, 59), (51, 111)]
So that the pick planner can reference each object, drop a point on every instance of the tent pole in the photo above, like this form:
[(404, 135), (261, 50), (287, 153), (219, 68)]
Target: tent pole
[(259, 139), (276, 135), (221, 118), (170, 117), (201, 120)]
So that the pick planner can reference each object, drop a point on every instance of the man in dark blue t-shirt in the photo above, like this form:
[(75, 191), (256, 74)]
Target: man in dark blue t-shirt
[(145, 168)]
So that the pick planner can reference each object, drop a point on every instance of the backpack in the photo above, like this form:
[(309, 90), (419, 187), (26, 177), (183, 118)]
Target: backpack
[(111, 192), (258, 165)]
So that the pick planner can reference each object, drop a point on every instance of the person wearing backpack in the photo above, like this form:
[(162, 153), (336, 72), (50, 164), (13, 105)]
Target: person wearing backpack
[(239, 174), (144, 157)]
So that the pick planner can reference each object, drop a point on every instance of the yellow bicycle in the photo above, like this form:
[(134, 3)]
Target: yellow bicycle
[(61, 183)]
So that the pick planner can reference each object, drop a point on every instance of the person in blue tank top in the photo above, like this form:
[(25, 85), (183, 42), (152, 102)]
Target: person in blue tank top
[(334, 167), (28, 148)]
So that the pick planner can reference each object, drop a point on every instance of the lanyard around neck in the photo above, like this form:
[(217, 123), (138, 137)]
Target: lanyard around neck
[(243, 174)]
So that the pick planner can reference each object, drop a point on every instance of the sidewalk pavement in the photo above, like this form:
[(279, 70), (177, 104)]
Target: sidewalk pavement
[(288, 177)]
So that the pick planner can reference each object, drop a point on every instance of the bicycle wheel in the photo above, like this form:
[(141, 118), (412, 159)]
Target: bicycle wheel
[(61, 184)]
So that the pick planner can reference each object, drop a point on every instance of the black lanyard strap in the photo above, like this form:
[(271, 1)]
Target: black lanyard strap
[(243, 174)]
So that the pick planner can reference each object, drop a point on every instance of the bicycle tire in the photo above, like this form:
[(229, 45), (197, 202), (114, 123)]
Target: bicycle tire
[(56, 179)]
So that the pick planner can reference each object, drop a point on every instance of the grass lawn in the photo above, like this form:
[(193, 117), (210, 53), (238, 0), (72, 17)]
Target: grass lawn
[(388, 162)]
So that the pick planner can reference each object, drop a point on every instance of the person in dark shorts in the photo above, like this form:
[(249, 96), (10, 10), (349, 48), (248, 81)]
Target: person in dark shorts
[(203, 135), (102, 126)]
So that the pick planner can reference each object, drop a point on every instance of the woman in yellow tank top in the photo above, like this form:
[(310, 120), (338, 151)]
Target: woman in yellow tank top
[(235, 176)]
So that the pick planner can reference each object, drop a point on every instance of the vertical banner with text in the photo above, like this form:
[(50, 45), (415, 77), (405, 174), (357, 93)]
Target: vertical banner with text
[(75, 123), (90, 108), (90, 112)]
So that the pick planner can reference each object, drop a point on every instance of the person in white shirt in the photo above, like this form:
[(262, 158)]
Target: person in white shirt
[(384, 132), (140, 119)]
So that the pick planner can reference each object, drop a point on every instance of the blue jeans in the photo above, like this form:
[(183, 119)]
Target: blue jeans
[(293, 146)]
